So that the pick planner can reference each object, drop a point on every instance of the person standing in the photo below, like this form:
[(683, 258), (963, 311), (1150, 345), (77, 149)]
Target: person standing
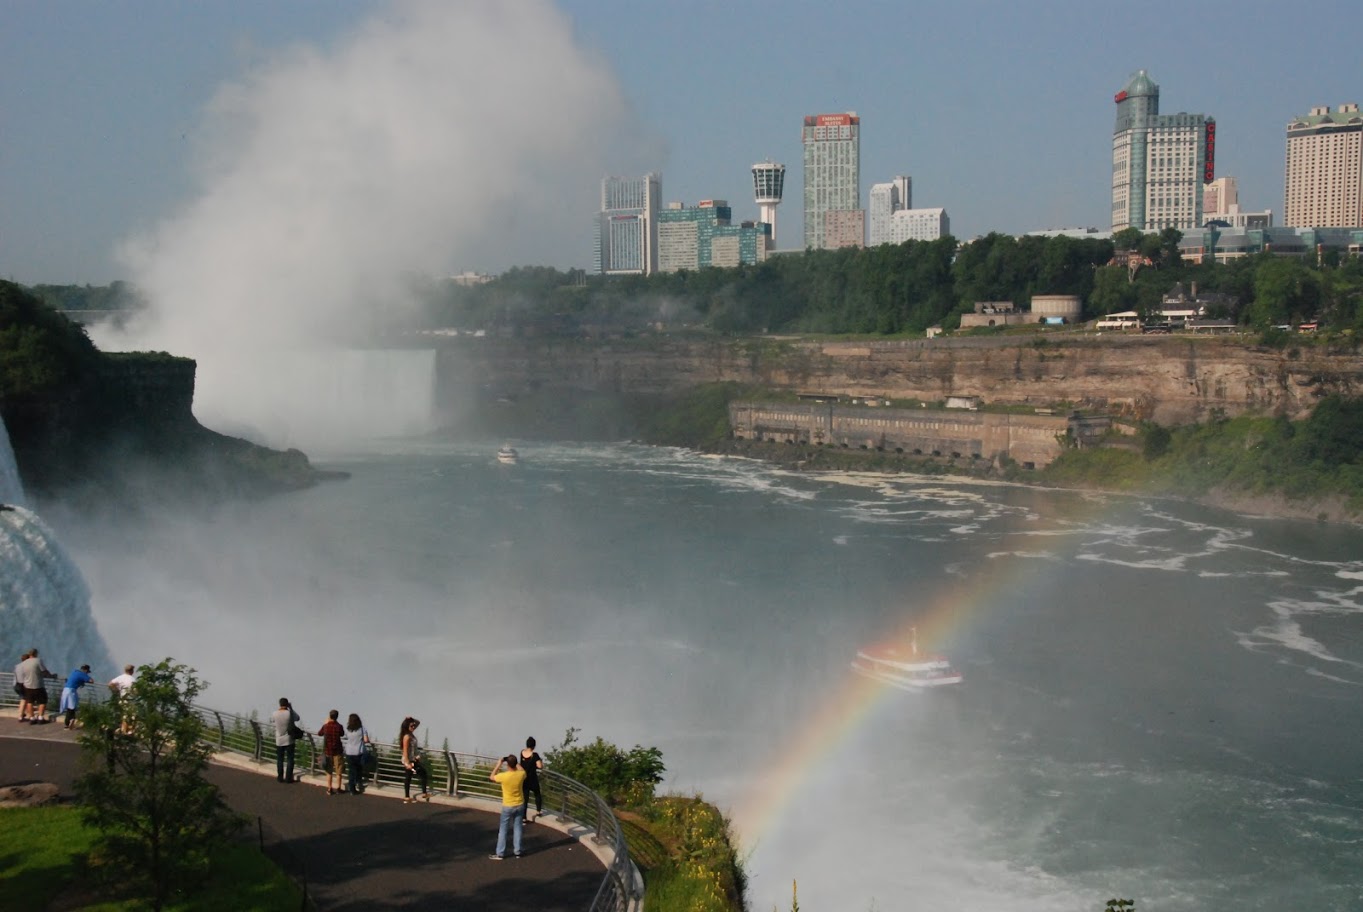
[(71, 693), (32, 673), (285, 726), (331, 733), (355, 739), (513, 804), (532, 763), (20, 689), (412, 761), (122, 690)]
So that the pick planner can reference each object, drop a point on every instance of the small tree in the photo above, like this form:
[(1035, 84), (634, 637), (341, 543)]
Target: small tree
[(145, 791)]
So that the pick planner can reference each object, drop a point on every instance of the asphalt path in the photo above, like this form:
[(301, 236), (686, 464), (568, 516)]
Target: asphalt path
[(364, 852)]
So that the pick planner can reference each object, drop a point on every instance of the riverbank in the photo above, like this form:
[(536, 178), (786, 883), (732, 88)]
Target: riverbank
[(814, 459)]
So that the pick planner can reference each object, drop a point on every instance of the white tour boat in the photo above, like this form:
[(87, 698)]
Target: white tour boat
[(507, 455), (907, 669)]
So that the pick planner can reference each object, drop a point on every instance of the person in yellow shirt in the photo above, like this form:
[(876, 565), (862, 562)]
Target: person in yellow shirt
[(513, 804)]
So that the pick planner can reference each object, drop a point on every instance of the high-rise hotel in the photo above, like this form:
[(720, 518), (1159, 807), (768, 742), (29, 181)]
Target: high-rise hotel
[(1159, 161), (1324, 179), (626, 236), (833, 213)]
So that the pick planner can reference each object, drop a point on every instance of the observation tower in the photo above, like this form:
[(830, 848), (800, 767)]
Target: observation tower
[(768, 182)]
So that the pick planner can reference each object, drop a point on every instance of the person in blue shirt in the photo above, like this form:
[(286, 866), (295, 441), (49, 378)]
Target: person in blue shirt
[(71, 692)]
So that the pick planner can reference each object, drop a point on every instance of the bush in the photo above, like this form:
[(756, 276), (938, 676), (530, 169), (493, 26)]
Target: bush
[(622, 778)]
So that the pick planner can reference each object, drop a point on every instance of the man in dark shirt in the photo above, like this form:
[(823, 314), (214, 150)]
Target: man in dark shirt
[(332, 732)]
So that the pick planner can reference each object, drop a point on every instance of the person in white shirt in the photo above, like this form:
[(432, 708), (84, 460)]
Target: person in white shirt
[(122, 689)]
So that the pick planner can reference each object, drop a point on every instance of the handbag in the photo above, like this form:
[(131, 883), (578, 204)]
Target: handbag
[(369, 758), (295, 732)]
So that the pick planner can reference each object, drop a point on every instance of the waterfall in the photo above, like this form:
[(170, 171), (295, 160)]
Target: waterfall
[(44, 601), (11, 488), (318, 399)]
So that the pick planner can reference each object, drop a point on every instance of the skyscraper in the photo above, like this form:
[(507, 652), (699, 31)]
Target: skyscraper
[(1324, 174), (832, 153), (627, 226), (1159, 161)]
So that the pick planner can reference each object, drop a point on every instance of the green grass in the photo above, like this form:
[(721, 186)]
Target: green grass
[(45, 862)]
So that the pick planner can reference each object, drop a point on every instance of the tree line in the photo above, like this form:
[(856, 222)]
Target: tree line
[(891, 289), (906, 288)]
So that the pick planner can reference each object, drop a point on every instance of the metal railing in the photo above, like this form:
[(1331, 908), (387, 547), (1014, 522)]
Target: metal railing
[(452, 773)]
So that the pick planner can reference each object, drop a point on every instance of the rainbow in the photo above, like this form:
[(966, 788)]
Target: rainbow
[(848, 706)]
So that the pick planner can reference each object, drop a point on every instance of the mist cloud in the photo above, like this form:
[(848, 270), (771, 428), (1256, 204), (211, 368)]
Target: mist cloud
[(436, 136)]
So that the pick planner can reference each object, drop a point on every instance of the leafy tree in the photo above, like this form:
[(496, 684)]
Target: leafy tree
[(1128, 239), (1284, 290), (158, 817), (40, 349), (619, 776)]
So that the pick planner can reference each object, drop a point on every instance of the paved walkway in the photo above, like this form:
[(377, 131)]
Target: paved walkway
[(367, 852)]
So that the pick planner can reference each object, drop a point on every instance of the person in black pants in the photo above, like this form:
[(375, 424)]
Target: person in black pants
[(532, 764), (411, 762)]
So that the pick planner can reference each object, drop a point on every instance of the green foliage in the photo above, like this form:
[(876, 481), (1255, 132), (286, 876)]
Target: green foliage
[(40, 349), (697, 417), (621, 777), (1317, 459), (1155, 441), (1119, 905), (158, 818)]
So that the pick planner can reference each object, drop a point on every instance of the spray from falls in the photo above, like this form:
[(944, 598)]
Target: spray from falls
[(435, 136), (44, 601)]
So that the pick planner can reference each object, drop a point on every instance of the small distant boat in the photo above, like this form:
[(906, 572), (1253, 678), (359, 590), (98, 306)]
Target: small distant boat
[(507, 455), (906, 669)]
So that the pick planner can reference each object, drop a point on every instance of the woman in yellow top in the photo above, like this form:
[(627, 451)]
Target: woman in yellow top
[(411, 761)]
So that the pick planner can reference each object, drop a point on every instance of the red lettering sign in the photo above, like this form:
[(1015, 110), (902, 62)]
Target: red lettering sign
[(1119, 97)]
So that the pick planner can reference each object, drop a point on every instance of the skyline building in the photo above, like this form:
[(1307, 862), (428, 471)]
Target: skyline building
[(626, 236), (694, 237), (882, 203), (832, 177), (1218, 196), (1323, 177), (768, 186), (1160, 162), (918, 225)]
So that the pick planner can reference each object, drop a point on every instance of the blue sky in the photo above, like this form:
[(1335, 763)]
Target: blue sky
[(1001, 112)]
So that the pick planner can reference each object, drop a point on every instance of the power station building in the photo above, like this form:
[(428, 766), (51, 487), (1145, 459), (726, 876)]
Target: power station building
[(1160, 162), (832, 174)]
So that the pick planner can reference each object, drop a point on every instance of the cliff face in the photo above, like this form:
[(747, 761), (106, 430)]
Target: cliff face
[(125, 431), (1168, 379)]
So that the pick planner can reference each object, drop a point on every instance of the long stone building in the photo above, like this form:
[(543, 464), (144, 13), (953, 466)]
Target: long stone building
[(1032, 440)]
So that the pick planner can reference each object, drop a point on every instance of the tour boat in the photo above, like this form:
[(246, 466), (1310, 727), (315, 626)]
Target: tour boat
[(507, 455), (907, 669)]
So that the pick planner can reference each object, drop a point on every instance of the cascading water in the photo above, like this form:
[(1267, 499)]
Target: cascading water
[(44, 601)]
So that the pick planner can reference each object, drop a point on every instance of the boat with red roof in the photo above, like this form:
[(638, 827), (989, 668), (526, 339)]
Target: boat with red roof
[(907, 669)]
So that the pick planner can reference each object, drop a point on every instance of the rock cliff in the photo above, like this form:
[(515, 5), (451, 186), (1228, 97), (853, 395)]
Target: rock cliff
[(1168, 379), (124, 431)]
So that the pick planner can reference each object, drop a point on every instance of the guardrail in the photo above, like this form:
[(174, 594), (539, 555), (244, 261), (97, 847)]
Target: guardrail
[(452, 773)]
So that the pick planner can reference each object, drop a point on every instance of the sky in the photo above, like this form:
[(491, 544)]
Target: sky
[(124, 126)]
